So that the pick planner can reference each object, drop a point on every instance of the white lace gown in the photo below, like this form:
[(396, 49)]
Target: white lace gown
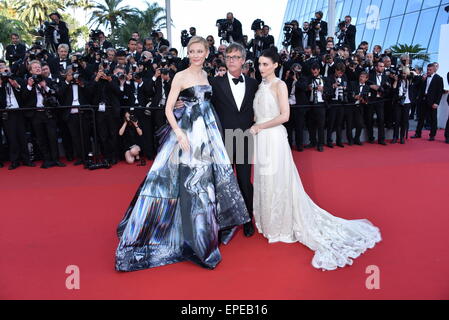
[(282, 209)]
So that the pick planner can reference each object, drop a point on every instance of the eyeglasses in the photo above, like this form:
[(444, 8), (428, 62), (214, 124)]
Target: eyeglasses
[(232, 58), (209, 40)]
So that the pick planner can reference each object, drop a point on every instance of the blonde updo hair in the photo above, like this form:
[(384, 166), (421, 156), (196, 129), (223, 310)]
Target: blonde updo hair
[(197, 39)]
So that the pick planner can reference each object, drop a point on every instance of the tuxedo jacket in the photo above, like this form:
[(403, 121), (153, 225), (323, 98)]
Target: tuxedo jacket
[(17, 93), (157, 90), (350, 37), (144, 92), (226, 107), (301, 93), (385, 83), (436, 90), (354, 90), (15, 52), (66, 96), (328, 86)]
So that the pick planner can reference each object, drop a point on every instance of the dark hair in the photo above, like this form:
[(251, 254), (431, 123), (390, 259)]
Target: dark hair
[(272, 53), (340, 67), (315, 66), (55, 14), (173, 50), (132, 39), (15, 35)]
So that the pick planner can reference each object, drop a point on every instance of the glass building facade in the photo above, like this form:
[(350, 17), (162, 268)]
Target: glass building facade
[(382, 22)]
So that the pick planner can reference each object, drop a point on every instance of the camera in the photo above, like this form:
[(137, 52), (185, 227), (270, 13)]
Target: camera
[(154, 34), (257, 24), (224, 28), (133, 118), (121, 76), (165, 71), (37, 78), (95, 34), (5, 76), (184, 38)]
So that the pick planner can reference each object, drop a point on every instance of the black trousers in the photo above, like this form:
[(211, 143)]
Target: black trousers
[(148, 138), (79, 134), (334, 116), (243, 172), (377, 107), (426, 110), (107, 127), (354, 119), (401, 119), (47, 139), (65, 134), (16, 135), (317, 123), (389, 112), (299, 124), (446, 132)]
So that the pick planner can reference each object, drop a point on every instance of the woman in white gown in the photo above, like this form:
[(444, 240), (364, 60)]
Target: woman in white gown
[(283, 211)]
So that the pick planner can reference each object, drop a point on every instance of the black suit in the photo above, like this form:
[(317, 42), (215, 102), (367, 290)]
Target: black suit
[(335, 113), (237, 33), (317, 114), (299, 113), (232, 119), (15, 52), (354, 114), (79, 133), (350, 37), (14, 124), (43, 121), (377, 106), (433, 96)]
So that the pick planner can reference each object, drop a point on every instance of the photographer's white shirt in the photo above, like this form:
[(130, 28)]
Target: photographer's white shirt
[(11, 101), (238, 90), (75, 101)]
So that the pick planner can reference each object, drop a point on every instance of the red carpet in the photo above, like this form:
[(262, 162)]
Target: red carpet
[(54, 218)]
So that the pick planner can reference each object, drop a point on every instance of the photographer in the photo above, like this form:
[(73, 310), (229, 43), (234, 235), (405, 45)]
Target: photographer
[(403, 99), (131, 134), (347, 34), (13, 122), (161, 87), (318, 31), (299, 92), (16, 50), (296, 36), (336, 88), (39, 95), (55, 32), (74, 91), (268, 39), (327, 66), (359, 94), (132, 49), (61, 62), (160, 40), (235, 29), (380, 87), (317, 113)]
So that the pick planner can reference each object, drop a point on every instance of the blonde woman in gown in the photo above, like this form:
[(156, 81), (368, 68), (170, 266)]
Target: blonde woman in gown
[(282, 209)]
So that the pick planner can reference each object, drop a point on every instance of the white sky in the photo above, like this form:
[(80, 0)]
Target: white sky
[(202, 14)]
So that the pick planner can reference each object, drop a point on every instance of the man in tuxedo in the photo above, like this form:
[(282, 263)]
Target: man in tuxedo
[(380, 85), (236, 35), (350, 33), (306, 40), (74, 91), (13, 122), (104, 44), (431, 93), (317, 113), (299, 113), (56, 33), (327, 66), (16, 50), (268, 39), (233, 101), (61, 61), (359, 92), (36, 94), (336, 87)]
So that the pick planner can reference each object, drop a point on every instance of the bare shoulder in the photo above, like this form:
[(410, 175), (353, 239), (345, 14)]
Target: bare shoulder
[(280, 86)]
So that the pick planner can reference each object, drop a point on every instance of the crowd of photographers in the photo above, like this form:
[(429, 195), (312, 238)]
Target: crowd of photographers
[(116, 96)]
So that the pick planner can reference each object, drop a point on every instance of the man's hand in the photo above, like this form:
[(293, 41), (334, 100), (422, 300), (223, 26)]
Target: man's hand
[(30, 82), (14, 83), (435, 106), (157, 73)]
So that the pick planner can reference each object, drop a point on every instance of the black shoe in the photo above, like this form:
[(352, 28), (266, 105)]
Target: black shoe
[(29, 164), (47, 164), (330, 145), (432, 139), (310, 145), (1, 165), (357, 142), (78, 163), (447, 140), (69, 158), (394, 141), (382, 143), (402, 141), (301, 149), (60, 164), (113, 162), (320, 148), (339, 144), (14, 166), (248, 229), (371, 141), (416, 136), (350, 143)]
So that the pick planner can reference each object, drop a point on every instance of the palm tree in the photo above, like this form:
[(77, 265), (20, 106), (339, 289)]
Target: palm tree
[(34, 12), (110, 13), (142, 21), (416, 52)]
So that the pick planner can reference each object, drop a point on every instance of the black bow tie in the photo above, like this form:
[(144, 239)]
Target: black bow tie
[(237, 80)]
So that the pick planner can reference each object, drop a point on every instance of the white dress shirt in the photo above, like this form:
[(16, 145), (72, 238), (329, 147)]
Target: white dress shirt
[(318, 83), (75, 101), (11, 101), (429, 80), (238, 90)]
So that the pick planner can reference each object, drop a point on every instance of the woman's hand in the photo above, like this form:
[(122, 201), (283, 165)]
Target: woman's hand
[(182, 140), (255, 130)]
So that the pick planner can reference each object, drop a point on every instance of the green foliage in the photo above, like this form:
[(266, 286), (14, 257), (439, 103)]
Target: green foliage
[(416, 52)]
